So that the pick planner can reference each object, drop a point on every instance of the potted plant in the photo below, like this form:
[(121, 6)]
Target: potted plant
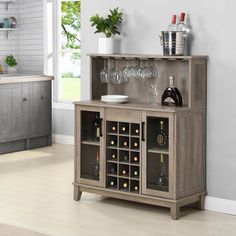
[(12, 64), (109, 27)]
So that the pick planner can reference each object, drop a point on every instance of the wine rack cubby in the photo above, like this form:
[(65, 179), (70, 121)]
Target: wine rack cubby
[(126, 151)]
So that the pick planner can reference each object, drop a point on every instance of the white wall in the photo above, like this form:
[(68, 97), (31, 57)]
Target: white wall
[(10, 45), (26, 44), (31, 48), (214, 35)]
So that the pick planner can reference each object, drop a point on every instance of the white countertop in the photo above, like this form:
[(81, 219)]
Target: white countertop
[(17, 78)]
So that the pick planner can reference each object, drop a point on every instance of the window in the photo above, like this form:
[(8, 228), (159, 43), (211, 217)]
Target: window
[(63, 48)]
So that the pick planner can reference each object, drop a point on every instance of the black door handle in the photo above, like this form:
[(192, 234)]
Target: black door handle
[(101, 121), (143, 127), (25, 99)]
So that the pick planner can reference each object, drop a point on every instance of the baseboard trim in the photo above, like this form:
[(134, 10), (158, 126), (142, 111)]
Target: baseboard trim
[(220, 205), (63, 139)]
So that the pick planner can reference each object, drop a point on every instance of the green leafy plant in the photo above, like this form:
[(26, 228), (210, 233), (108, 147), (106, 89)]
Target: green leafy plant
[(108, 25), (70, 25), (11, 61)]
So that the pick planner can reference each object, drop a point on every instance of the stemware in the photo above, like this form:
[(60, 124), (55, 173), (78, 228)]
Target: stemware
[(154, 91), (104, 74)]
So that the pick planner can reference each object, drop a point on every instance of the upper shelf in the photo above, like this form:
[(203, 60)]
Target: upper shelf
[(146, 56)]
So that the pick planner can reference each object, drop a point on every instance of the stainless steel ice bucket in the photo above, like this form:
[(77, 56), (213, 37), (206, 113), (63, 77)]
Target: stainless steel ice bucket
[(173, 42)]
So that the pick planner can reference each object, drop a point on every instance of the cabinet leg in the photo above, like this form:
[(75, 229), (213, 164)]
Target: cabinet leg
[(175, 212), (200, 205), (77, 193)]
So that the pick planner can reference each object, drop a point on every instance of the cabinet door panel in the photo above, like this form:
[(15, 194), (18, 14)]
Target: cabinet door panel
[(157, 153), (40, 108), (11, 113), (90, 162), (46, 106)]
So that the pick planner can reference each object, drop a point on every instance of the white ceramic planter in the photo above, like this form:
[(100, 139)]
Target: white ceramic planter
[(12, 69), (108, 45)]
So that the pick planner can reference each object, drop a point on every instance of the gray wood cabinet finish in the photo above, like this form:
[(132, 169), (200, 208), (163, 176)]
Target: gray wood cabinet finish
[(40, 109), (185, 154), (25, 114)]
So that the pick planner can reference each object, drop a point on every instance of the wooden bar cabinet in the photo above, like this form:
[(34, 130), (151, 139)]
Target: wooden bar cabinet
[(144, 152)]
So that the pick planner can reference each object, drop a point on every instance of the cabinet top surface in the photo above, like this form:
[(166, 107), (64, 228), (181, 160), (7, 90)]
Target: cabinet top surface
[(134, 106), (148, 56), (8, 79)]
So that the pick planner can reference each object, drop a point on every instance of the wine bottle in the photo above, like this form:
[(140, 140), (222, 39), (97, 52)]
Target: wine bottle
[(163, 178), (125, 158), (172, 26), (124, 172), (135, 173), (125, 185), (123, 129), (162, 137), (113, 156), (113, 142), (112, 183), (182, 26), (135, 159), (113, 170), (96, 166), (171, 95), (135, 144), (136, 188), (113, 128), (125, 144), (96, 128)]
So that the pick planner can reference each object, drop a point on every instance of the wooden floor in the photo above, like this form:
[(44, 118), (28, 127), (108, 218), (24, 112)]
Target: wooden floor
[(36, 193)]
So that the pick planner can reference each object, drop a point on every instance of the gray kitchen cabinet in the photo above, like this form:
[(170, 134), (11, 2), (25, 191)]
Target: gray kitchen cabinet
[(40, 109), (25, 115)]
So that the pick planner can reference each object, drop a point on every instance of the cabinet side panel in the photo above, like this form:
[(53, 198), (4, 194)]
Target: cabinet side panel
[(198, 83), (190, 157)]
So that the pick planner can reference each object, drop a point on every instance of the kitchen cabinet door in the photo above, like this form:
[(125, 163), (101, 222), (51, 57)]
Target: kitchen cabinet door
[(14, 108), (40, 108)]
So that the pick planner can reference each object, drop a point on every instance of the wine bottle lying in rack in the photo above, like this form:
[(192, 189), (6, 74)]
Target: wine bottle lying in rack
[(112, 183), (113, 128), (124, 172), (113, 142), (135, 144), (125, 144), (137, 131), (135, 158), (135, 173), (113, 156), (125, 185), (136, 187), (113, 170)]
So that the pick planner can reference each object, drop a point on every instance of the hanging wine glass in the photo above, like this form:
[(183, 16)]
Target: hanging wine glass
[(154, 91), (117, 75), (154, 74), (104, 72), (141, 71)]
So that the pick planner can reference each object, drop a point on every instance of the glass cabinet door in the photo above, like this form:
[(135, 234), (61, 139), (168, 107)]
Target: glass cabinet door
[(90, 137), (157, 154)]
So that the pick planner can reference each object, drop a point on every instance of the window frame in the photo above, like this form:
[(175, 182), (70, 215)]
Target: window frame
[(56, 16)]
